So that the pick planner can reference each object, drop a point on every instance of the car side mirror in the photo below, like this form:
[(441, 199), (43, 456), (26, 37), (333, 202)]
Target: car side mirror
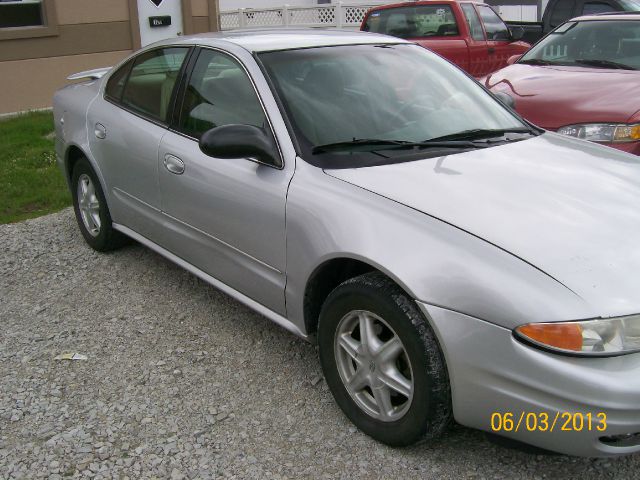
[(513, 59), (517, 32), (240, 141), (505, 99)]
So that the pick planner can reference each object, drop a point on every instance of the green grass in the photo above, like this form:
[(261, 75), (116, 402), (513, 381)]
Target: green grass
[(31, 183)]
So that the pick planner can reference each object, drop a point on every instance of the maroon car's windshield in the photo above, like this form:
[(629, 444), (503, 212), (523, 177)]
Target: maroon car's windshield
[(611, 44)]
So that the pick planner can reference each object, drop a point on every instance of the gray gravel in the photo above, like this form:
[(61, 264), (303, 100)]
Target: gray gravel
[(181, 381)]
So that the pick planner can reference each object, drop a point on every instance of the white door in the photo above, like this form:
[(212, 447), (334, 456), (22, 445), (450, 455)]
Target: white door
[(154, 15)]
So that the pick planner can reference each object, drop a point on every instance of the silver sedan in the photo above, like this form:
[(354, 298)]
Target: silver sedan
[(451, 260)]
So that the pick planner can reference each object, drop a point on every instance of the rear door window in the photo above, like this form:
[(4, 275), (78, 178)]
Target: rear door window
[(414, 22), (150, 84)]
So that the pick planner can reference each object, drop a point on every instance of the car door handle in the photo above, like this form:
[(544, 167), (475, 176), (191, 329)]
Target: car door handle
[(492, 50), (100, 131), (173, 164)]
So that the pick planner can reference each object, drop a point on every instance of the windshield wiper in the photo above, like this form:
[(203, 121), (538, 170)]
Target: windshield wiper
[(603, 64), (537, 61), (480, 133), (380, 144)]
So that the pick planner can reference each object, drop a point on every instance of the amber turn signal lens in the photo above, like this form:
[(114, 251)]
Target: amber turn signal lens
[(565, 336), (627, 133)]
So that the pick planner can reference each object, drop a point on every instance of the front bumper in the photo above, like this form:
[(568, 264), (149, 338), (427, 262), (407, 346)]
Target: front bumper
[(493, 373)]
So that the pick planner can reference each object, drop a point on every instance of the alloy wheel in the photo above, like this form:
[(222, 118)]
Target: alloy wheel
[(89, 205), (373, 365)]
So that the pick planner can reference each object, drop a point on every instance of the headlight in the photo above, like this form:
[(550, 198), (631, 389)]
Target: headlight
[(612, 336), (603, 132)]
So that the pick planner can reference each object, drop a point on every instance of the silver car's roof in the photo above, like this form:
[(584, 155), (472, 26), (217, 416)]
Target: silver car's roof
[(283, 39)]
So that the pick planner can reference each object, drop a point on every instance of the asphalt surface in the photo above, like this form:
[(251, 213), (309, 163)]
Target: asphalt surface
[(181, 381)]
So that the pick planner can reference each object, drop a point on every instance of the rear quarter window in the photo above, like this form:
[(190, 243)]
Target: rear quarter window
[(115, 84)]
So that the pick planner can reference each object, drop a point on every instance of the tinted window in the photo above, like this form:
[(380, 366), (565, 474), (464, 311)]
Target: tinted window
[(473, 22), (115, 84), (592, 8), (150, 85), (219, 93), (562, 11), (493, 24), (413, 22)]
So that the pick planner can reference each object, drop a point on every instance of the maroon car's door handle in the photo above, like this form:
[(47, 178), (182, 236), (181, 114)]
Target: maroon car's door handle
[(492, 50)]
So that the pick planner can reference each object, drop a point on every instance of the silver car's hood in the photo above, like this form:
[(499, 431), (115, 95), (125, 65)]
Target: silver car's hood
[(568, 207)]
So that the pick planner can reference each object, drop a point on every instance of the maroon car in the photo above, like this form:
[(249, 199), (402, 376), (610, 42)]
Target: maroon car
[(581, 80)]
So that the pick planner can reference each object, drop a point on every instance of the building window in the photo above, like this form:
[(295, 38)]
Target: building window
[(21, 13), (27, 18)]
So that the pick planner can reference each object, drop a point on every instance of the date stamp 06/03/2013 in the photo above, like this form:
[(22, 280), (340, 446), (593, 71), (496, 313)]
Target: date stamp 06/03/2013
[(548, 421)]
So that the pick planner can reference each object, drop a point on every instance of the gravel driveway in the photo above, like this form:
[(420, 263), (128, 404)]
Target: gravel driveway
[(181, 381)]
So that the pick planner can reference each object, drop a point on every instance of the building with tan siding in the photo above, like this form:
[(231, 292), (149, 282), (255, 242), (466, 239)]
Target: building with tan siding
[(44, 41)]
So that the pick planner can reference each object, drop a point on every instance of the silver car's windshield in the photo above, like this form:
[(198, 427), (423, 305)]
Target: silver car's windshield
[(368, 99)]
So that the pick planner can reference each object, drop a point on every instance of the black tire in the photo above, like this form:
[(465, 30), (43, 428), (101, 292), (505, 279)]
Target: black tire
[(106, 238), (429, 412)]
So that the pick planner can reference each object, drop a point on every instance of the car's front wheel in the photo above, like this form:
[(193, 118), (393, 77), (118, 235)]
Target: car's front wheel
[(92, 213), (382, 361)]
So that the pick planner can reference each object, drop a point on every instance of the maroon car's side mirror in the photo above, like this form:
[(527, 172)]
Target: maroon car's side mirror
[(513, 59)]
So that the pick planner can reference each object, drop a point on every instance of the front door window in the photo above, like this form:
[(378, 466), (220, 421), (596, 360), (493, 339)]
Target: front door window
[(219, 93), (493, 24)]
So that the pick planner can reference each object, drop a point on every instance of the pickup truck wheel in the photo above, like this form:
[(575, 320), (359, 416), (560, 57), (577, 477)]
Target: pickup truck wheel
[(91, 209), (382, 362)]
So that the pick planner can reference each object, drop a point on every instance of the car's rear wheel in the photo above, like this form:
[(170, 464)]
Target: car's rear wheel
[(92, 213), (382, 361)]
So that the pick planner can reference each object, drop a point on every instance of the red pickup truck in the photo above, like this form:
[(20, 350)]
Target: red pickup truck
[(471, 35)]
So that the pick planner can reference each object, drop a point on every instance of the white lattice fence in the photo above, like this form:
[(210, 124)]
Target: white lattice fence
[(263, 18), (331, 15), (229, 20), (354, 14), (317, 16)]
